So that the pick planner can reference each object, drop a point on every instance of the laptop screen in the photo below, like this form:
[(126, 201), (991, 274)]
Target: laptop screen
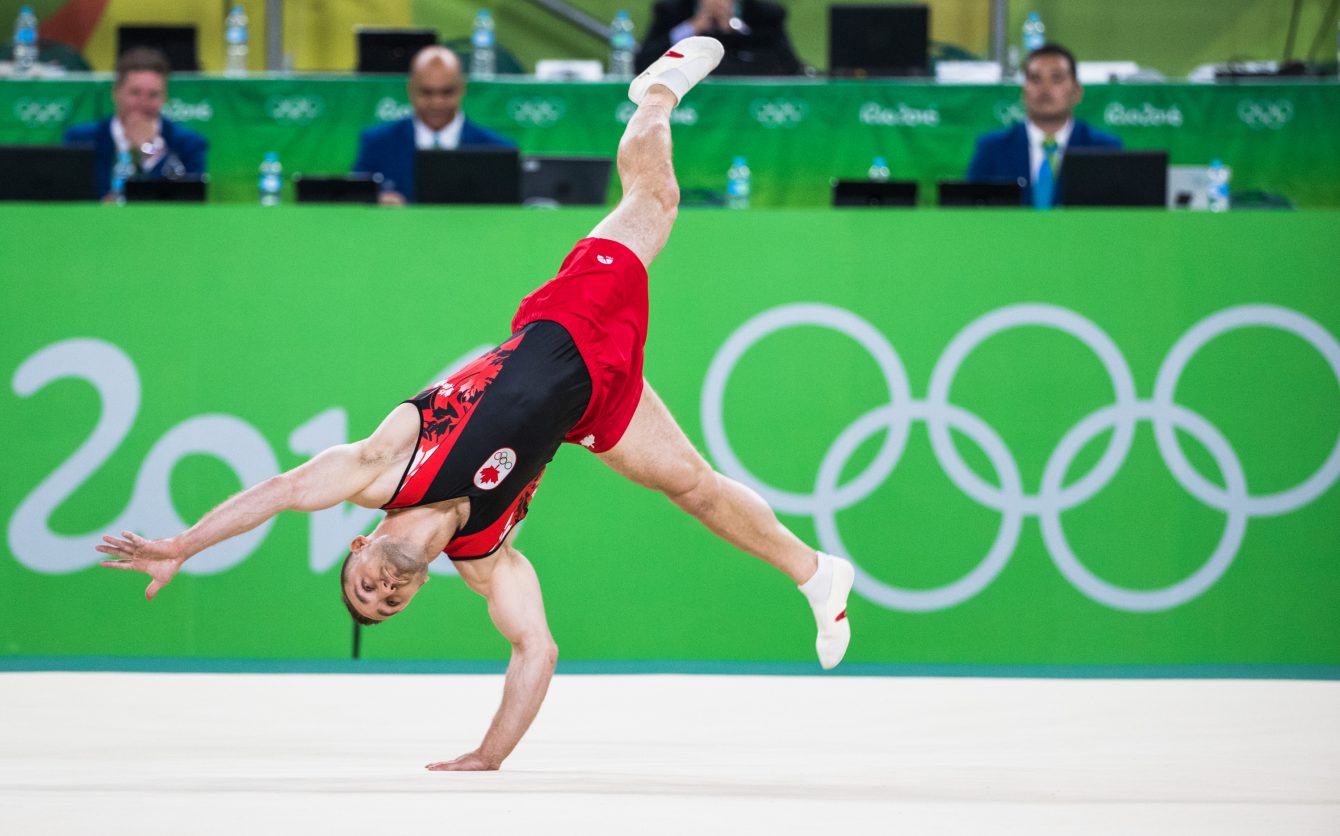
[(47, 172), (467, 175), (1114, 177), (178, 43), (882, 40), (391, 50), (565, 181)]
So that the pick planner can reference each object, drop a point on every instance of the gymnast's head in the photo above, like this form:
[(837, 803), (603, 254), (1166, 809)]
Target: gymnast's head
[(379, 577)]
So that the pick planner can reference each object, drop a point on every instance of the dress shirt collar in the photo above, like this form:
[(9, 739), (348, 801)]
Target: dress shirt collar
[(448, 137), (1036, 136)]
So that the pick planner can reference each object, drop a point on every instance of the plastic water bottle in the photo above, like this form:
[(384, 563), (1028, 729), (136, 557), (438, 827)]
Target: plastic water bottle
[(1035, 33), (1216, 187), (879, 170), (25, 41), (483, 59), (737, 184), (235, 28), (272, 179), (621, 46), (121, 172)]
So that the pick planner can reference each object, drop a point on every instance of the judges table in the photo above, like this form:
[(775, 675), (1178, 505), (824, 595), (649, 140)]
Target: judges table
[(797, 136)]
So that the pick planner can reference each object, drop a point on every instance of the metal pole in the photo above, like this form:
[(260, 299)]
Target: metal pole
[(274, 35), (576, 17), (1000, 42)]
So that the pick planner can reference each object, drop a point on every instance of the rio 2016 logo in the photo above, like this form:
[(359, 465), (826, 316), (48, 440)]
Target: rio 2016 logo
[(297, 110), (1269, 115), (1010, 498), (41, 113), (779, 113), (150, 511), (539, 112)]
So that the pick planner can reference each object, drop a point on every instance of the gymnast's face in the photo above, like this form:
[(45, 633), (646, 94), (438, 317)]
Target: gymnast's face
[(376, 585)]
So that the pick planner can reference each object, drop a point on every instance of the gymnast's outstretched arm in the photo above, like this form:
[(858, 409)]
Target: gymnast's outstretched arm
[(342, 472)]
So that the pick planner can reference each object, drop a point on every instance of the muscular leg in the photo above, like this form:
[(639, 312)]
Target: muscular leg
[(642, 220), (653, 450), (655, 453)]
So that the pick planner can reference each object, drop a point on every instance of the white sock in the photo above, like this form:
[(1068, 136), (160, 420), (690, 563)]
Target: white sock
[(816, 589)]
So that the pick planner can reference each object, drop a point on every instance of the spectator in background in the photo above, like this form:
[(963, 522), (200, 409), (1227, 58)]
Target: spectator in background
[(436, 88), (1032, 153), (159, 147), (752, 31)]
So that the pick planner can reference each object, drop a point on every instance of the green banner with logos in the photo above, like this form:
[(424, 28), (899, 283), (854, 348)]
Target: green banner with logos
[(1280, 139), (1121, 448)]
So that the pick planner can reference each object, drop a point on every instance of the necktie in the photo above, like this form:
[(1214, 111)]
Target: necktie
[(1044, 188)]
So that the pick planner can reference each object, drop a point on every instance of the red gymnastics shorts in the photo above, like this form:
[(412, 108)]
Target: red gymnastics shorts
[(600, 298)]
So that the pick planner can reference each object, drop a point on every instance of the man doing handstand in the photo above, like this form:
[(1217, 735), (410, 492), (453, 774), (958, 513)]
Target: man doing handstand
[(455, 467)]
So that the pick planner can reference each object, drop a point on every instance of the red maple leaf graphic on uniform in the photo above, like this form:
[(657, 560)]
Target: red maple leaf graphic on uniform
[(489, 475)]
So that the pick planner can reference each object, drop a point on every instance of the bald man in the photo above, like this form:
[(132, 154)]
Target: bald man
[(436, 88)]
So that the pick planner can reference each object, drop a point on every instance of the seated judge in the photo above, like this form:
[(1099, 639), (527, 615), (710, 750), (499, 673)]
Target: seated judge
[(1032, 153), (753, 33), (436, 88), (159, 147)]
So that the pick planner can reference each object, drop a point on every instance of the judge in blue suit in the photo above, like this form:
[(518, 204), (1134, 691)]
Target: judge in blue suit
[(1033, 153), (436, 88), (158, 147)]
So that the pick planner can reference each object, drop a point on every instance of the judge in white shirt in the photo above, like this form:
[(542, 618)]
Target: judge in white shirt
[(436, 89), (1032, 153), (158, 147)]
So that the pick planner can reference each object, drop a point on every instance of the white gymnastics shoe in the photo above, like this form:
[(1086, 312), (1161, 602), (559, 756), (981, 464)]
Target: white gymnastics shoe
[(682, 66), (827, 593)]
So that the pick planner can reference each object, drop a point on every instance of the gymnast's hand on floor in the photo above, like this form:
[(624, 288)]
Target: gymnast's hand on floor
[(469, 762), (159, 559)]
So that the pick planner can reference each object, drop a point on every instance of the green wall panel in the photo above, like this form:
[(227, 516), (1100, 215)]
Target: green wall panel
[(134, 335)]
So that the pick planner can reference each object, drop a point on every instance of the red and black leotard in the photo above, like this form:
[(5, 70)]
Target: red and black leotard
[(572, 371), (488, 431)]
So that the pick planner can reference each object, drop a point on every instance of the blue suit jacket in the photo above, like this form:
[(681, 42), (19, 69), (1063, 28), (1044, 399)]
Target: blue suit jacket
[(185, 144), (388, 150), (1003, 154)]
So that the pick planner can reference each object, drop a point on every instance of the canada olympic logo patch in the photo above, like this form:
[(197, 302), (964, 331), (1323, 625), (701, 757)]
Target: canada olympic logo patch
[(605, 259), (492, 473)]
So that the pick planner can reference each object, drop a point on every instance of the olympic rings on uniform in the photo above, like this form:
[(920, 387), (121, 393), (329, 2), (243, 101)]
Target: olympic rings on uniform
[(1053, 497)]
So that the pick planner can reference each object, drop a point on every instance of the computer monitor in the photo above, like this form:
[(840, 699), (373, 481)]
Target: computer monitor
[(184, 190), (874, 193), (957, 193), (467, 175), (565, 181), (48, 172), (176, 42), (1114, 177), (354, 188), (873, 41), (391, 50)]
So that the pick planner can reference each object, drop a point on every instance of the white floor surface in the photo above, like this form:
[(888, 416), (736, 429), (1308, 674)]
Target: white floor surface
[(103, 753)]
